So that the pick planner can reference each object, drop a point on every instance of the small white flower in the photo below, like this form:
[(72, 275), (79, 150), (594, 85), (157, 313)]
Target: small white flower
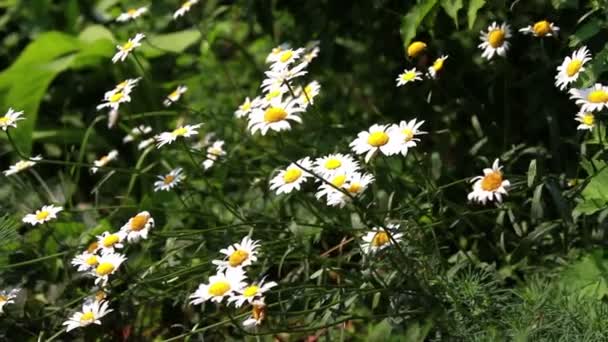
[(244, 109), (277, 78), (374, 140), (407, 76), (238, 255), (213, 153), (251, 292), (379, 238), (571, 67), (10, 119), (108, 242), (103, 161), (124, 87), (334, 187), (494, 41), (185, 7), (541, 28), (138, 226), (182, 131), (170, 180), (292, 177), (336, 163), (175, 95), (276, 52), (276, 116), (136, 132), (220, 286), (85, 261), (592, 99), (306, 96), (21, 165), (46, 213), (6, 297), (125, 49), (355, 185), (285, 58), (405, 135), (131, 14), (258, 314), (586, 119), (489, 187), (107, 264), (311, 53), (92, 311), (437, 66), (120, 94), (145, 143)]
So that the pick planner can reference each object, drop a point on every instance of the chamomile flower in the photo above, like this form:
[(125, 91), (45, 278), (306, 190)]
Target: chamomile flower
[(185, 7), (114, 98), (131, 14), (170, 180), (238, 255), (175, 95), (355, 185), (103, 161), (311, 54), (21, 165), (541, 28), (109, 242), (405, 135), (7, 297), (107, 264), (586, 119), (276, 116), (307, 94), (220, 286), (251, 292), (10, 119), (124, 87), (136, 132), (125, 49), (182, 131), (571, 67), (379, 238), (415, 49), (374, 140), (244, 108), (91, 313), (489, 187), (258, 313), (407, 76), (285, 58), (292, 177), (145, 143), (437, 66), (45, 214), (85, 261), (276, 52), (336, 181), (213, 153), (495, 40), (277, 78), (591, 99), (336, 163), (138, 226)]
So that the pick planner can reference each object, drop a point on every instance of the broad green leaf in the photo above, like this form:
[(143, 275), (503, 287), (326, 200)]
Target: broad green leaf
[(176, 42), (413, 19), (531, 173), (452, 7), (474, 6), (589, 30), (589, 276)]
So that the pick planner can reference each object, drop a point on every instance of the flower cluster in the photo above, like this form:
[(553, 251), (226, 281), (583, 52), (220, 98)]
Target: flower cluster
[(414, 50)]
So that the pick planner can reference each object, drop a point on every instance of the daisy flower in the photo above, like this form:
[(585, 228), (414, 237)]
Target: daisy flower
[(131, 14), (415, 49), (250, 293), (278, 78), (46, 213), (587, 120), (276, 52), (379, 238), (374, 140), (591, 99), (136, 132), (285, 58), (238, 255), (571, 67), (138, 226), (275, 117), (220, 286), (494, 41), (336, 182), (258, 313), (185, 7), (125, 49), (182, 131), (307, 95), (92, 311), (407, 76), (491, 186), (113, 99), (6, 297), (292, 177), (175, 95), (437, 66), (541, 28), (355, 185), (244, 108), (145, 143), (405, 135), (336, 163), (213, 153), (103, 161), (124, 87), (170, 180), (108, 242), (107, 264), (311, 54), (10, 119), (21, 165), (85, 261)]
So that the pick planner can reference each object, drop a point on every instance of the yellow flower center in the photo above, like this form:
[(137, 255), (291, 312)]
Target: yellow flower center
[(274, 114), (139, 222), (588, 119), (42, 215), (251, 291), (91, 261), (292, 175), (338, 181), (354, 188), (174, 95), (491, 181), (110, 240), (409, 134), (237, 257), (246, 106), (179, 131), (541, 28), (438, 65), (3, 299), (104, 268), (100, 295), (307, 93), (271, 95), (168, 179), (380, 239), (408, 76), (573, 67), (219, 288), (377, 139), (332, 164), (496, 38), (92, 247), (116, 97), (286, 56), (121, 85), (415, 48), (127, 46), (4, 120), (597, 96), (131, 11), (87, 317)]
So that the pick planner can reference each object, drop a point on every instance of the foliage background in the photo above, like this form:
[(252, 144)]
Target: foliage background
[(533, 268)]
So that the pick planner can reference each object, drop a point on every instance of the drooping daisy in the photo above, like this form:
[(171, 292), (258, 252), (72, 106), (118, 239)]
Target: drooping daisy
[(244, 108), (126, 48), (355, 185), (114, 100), (494, 41), (46, 213), (175, 95), (586, 119), (292, 177), (107, 264), (138, 226), (136, 132), (258, 314), (437, 66), (21, 165), (372, 141), (124, 87), (185, 7), (91, 313), (276, 116), (415, 49), (213, 153), (407, 76), (285, 58), (108, 242), (405, 135), (307, 95), (541, 28), (238, 255), (85, 261), (336, 163), (170, 180), (571, 67), (251, 292), (592, 99), (103, 161), (277, 78), (182, 131), (10, 119), (131, 14), (379, 238), (220, 286), (489, 187), (145, 143), (6, 297)]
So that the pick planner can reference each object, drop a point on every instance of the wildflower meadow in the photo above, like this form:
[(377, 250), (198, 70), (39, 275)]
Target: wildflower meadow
[(431, 170)]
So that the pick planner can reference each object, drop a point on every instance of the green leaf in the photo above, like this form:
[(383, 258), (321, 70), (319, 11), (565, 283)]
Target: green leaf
[(176, 42), (474, 6), (537, 205), (531, 173), (589, 276), (413, 19), (452, 7), (589, 30)]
